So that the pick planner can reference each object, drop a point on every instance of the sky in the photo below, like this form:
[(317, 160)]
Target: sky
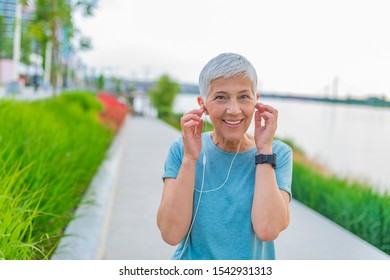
[(296, 46)]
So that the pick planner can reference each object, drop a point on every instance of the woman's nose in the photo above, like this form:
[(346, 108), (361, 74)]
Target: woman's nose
[(234, 108)]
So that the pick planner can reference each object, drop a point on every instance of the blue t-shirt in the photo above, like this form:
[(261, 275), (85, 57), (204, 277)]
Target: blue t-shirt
[(222, 228)]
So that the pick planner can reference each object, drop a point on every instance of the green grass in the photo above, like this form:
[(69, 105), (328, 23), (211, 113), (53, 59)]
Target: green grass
[(50, 151), (356, 207)]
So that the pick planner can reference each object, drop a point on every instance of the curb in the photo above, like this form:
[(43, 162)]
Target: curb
[(85, 235)]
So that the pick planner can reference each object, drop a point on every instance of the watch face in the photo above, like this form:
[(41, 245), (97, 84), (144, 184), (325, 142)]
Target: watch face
[(269, 159)]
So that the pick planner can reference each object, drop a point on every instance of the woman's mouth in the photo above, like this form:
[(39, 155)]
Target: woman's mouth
[(232, 123)]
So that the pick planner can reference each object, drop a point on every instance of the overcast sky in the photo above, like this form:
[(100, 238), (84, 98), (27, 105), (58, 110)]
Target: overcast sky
[(296, 46)]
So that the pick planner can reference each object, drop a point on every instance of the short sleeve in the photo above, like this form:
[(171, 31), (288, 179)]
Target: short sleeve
[(284, 165), (174, 159)]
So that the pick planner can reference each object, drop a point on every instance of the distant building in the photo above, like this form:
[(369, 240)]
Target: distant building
[(8, 13)]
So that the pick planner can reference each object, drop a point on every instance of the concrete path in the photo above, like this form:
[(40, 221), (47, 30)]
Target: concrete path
[(132, 232), (311, 236)]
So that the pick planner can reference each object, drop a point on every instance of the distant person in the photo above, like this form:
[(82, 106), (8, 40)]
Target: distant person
[(226, 193), (35, 83)]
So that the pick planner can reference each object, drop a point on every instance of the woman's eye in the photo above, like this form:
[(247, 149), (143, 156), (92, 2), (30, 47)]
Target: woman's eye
[(220, 97), (245, 97)]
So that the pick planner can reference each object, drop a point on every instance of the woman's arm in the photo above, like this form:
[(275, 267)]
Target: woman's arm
[(175, 212), (270, 208)]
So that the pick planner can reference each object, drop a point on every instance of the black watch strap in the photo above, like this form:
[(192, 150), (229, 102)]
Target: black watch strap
[(269, 159)]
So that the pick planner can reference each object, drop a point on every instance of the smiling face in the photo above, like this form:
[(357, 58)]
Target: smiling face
[(230, 105)]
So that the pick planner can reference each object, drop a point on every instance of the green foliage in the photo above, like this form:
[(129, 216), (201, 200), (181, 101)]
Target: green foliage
[(173, 120), (26, 46), (87, 6), (86, 100), (50, 151), (100, 82), (53, 16), (163, 95), (354, 206), (85, 44)]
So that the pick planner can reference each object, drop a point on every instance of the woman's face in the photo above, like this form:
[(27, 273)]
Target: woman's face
[(230, 105)]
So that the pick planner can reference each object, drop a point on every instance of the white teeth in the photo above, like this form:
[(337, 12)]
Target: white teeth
[(229, 122)]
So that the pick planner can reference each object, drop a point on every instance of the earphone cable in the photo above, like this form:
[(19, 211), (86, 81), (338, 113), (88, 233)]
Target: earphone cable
[(196, 210)]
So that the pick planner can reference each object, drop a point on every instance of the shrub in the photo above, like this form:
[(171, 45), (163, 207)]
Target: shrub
[(50, 151), (356, 207), (163, 95), (114, 112)]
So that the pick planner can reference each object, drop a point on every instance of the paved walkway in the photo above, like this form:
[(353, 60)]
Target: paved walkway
[(27, 93), (122, 224), (132, 231)]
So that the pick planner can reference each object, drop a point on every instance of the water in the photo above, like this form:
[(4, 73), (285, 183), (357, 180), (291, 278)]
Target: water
[(352, 141)]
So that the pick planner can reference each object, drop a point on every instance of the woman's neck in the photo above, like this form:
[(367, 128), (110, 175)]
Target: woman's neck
[(245, 143)]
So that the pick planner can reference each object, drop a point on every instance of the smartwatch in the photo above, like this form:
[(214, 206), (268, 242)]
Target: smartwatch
[(269, 159)]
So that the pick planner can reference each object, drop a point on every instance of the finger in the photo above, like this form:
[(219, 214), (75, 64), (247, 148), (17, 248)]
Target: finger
[(269, 119), (257, 114), (272, 110), (198, 128), (188, 117), (257, 118), (259, 106), (201, 111), (267, 116), (202, 108), (191, 124), (266, 108), (198, 112)]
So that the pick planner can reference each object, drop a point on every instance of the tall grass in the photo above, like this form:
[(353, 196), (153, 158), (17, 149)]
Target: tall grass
[(354, 206), (50, 151)]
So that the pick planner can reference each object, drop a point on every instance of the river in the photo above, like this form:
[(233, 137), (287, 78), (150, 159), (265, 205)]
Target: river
[(350, 140)]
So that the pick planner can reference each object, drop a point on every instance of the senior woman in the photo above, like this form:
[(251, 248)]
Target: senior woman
[(226, 193)]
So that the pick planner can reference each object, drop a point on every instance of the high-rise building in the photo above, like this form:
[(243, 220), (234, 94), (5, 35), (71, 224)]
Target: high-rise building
[(8, 14), (7, 65), (7, 11)]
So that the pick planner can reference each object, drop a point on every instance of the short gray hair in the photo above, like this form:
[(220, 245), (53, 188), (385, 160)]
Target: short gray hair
[(226, 65)]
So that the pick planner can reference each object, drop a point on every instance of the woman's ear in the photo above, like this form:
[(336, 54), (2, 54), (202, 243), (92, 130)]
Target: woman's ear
[(201, 102)]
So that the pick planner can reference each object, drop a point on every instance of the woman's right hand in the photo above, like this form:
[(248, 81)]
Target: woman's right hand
[(191, 130)]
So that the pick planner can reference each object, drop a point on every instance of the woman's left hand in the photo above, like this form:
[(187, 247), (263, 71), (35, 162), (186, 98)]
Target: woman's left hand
[(265, 132)]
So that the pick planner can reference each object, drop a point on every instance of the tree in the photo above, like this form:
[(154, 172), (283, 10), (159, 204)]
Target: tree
[(52, 22), (163, 95), (100, 82), (26, 46)]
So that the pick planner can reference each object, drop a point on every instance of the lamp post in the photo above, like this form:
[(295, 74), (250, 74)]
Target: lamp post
[(17, 41)]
